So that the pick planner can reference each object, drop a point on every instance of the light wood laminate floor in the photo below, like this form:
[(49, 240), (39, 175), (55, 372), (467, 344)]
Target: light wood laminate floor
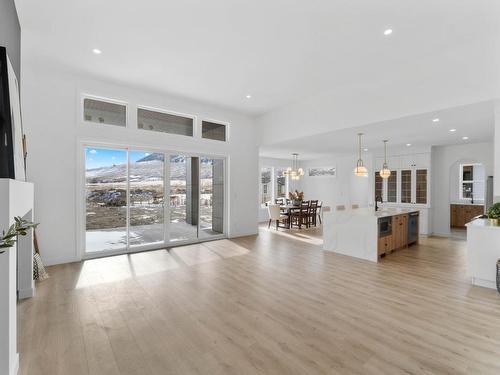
[(268, 304)]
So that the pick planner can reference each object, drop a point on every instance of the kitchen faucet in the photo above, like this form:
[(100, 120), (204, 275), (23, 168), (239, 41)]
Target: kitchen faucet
[(376, 202)]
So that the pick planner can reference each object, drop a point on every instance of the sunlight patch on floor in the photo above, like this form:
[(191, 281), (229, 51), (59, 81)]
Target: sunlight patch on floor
[(298, 235), (127, 266)]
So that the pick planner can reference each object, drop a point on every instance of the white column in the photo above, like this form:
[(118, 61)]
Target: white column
[(496, 171)]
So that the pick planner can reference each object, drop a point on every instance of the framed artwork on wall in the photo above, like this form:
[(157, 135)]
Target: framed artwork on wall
[(11, 128), (322, 172)]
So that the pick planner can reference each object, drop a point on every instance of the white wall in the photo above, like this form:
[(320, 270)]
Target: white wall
[(345, 188), (52, 122), (496, 182), (444, 160)]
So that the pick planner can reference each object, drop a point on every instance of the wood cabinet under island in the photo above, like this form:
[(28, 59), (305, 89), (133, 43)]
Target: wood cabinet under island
[(368, 234)]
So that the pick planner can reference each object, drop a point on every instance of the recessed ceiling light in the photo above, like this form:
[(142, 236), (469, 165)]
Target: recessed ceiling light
[(387, 32), (249, 96), (435, 120), (97, 51), (465, 138), (453, 130), (408, 144), (365, 149)]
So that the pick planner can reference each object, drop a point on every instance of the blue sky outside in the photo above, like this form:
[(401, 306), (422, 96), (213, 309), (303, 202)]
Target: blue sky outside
[(105, 157)]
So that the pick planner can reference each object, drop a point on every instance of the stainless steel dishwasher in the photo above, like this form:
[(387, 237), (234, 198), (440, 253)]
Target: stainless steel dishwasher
[(413, 227)]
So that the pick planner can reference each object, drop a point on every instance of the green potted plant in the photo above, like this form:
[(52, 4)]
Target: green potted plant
[(494, 214), (19, 228)]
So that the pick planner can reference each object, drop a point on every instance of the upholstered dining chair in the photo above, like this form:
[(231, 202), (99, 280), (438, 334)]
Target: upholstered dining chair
[(340, 207), (354, 206), (275, 215)]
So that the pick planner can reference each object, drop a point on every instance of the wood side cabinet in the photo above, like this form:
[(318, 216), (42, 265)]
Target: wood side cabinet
[(461, 214), (397, 239)]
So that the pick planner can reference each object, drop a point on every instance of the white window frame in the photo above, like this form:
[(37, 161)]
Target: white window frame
[(461, 180), (261, 192), (218, 122), (105, 100), (273, 184), (196, 132)]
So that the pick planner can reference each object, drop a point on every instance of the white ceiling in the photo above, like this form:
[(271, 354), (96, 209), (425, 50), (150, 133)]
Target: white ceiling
[(279, 51), (475, 121)]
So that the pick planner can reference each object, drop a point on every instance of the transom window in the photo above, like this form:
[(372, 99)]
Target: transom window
[(100, 111), (163, 122)]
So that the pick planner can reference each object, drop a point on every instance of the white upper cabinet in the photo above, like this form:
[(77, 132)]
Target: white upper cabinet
[(394, 162), (423, 160)]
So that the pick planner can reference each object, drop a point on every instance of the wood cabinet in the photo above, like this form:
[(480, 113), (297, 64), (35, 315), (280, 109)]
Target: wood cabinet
[(385, 245), (400, 231), (398, 238), (461, 214)]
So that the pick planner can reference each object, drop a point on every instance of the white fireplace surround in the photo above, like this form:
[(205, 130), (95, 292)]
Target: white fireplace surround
[(16, 199)]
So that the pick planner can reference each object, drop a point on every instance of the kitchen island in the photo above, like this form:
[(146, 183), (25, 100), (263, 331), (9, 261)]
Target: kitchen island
[(483, 251), (368, 234)]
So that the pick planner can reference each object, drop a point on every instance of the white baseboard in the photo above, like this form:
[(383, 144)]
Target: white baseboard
[(26, 293), (244, 234), (438, 234), (15, 368), (59, 260), (484, 283)]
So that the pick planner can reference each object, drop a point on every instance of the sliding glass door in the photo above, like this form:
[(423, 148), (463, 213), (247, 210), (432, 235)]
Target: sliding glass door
[(106, 194), (184, 190), (211, 197), (125, 192), (146, 198)]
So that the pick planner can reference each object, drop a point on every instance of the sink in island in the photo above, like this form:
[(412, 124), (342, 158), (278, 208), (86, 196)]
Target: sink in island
[(368, 234)]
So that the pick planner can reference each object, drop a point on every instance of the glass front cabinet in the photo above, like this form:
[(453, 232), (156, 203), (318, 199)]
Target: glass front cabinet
[(409, 180)]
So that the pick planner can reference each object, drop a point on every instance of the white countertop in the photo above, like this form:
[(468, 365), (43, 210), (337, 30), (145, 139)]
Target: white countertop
[(482, 223), (370, 211), (467, 204)]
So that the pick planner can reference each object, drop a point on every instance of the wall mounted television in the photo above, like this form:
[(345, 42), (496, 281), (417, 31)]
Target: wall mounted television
[(11, 130)]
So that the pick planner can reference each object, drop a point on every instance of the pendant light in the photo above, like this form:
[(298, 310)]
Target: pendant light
[(385, 172), (360, 169), (294, 172)]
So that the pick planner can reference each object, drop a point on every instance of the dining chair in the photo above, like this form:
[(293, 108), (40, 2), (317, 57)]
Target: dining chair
[(354, 206), (300, 216), (313, 212), (320, 210), (275, 215), (341, 207)]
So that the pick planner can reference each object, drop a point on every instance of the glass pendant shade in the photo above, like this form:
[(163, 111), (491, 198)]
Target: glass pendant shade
[(360, 169), (385, 172)]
